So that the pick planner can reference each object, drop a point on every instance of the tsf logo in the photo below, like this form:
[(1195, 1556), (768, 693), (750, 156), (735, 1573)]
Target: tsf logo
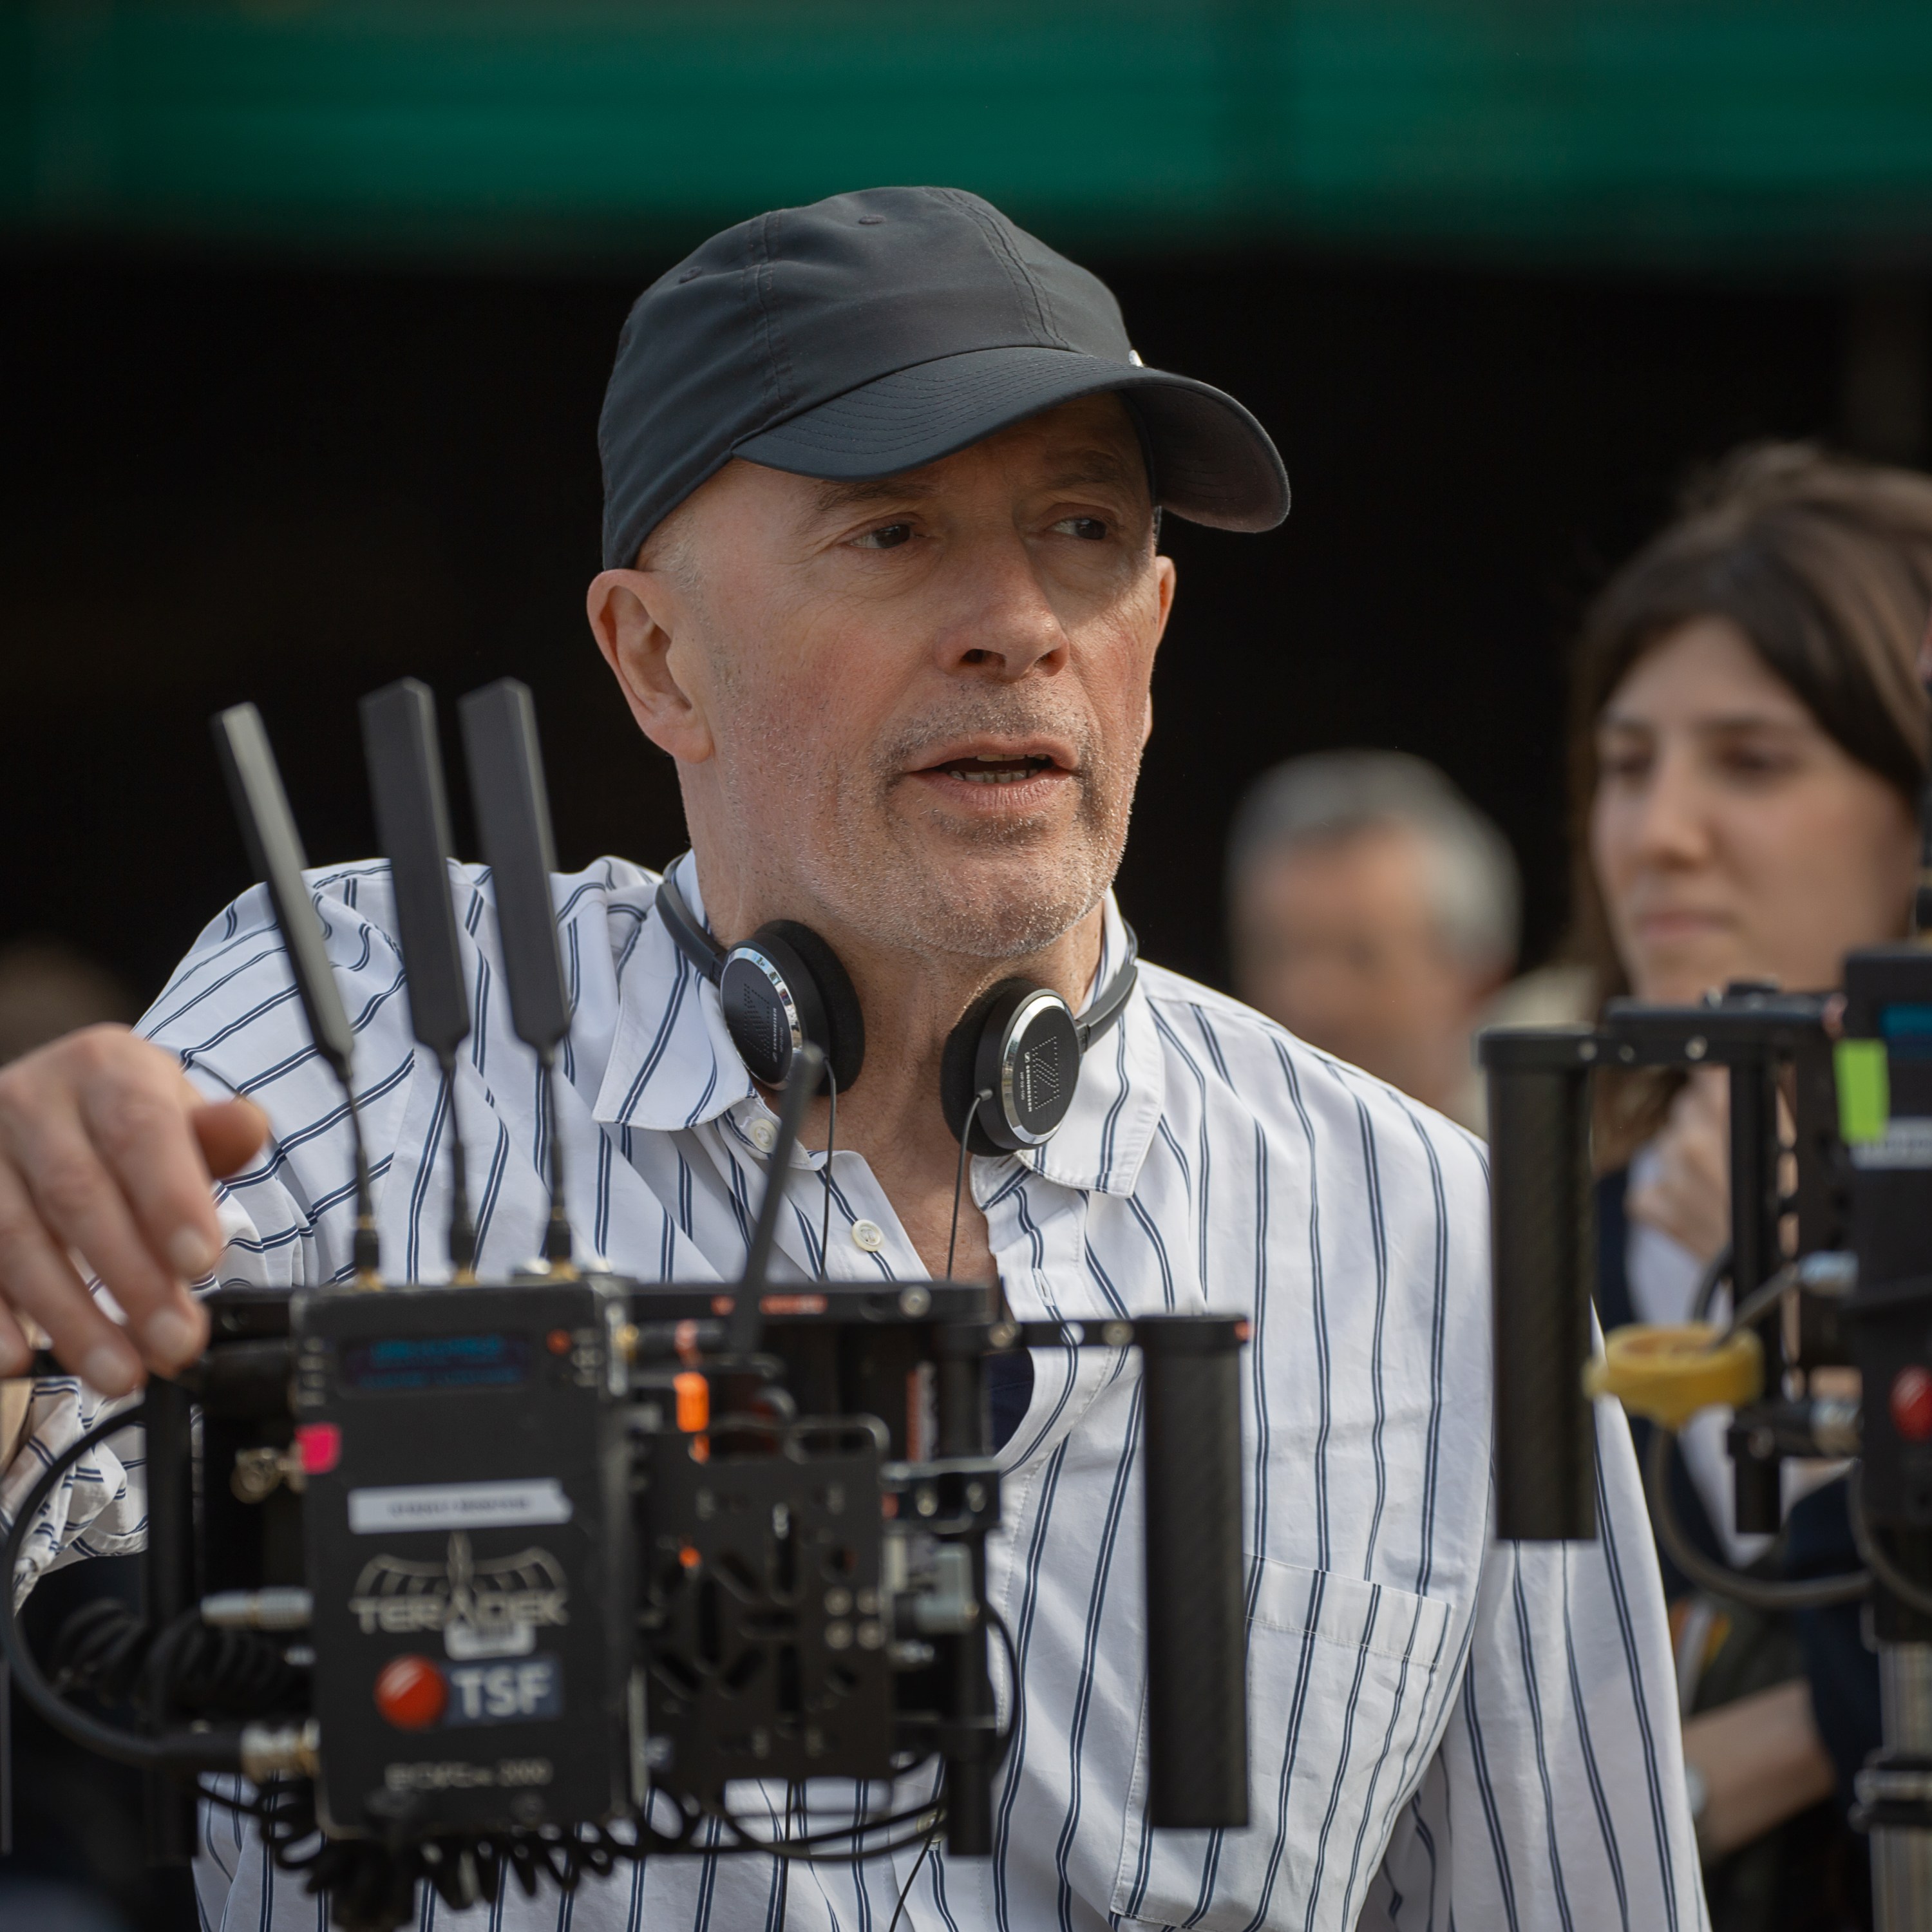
[(493, 1608), (415, 1693)]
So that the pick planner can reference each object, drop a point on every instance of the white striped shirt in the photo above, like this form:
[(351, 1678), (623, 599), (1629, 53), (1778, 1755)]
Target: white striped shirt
[(1443, 1730)]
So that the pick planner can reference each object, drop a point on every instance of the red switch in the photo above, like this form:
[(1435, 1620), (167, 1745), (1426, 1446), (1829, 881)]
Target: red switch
[(411, 1693), (1911, 1403)]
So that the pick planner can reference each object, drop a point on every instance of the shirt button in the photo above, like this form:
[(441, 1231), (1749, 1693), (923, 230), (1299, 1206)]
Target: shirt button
[(764, 1136), (869, 1235)]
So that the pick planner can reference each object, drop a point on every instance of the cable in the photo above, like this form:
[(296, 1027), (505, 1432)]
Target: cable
[(959, 1178), (806, 1850), (107, 1649), (905, 1890), (1914, 1595), (1768, 1295), (198, 1750), (462, 1225), (1006, 1738), (1760, 1593), (792, 1793), (1715, 1271), (825, 1226), (747, 1312), (366, 1248), (557, 1245)]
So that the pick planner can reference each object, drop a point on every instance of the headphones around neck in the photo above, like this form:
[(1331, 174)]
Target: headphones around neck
[(1006, 1078)]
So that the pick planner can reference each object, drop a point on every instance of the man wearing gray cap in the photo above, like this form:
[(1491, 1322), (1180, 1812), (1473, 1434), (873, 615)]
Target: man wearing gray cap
[(883, 482)]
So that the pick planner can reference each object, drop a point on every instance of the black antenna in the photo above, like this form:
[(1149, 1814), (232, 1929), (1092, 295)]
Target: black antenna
[(275, 852), (748, 1314), (506, 786), (406, 785), (1921, 899)]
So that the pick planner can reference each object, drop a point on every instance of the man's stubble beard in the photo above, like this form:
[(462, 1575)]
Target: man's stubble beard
[(866, 860)]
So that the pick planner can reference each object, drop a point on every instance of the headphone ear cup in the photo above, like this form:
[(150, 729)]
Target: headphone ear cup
[(959, 1072), (828, 1003), (970, 1066)]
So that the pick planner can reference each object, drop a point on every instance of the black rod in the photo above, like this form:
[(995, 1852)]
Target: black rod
[(1543, 1259), (1757, 1483), (1197, 1620), (167, 1588)]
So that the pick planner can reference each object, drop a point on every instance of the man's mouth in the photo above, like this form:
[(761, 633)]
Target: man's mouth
[(995, 771), (999, 779)]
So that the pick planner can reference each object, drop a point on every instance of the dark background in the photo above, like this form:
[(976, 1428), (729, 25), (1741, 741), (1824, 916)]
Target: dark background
[(222, 479)]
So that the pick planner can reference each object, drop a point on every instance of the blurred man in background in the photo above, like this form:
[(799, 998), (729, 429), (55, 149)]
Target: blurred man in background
[(1374, 912)]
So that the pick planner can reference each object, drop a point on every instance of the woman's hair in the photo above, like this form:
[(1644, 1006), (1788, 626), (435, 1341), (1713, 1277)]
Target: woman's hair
[(1824, 565)]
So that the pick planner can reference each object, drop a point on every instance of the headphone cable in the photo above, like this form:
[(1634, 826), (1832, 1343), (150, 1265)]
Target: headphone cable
[(825, 1172), (959, 1178)]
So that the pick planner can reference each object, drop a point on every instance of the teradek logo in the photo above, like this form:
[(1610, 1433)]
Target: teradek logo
[(493, 1608)]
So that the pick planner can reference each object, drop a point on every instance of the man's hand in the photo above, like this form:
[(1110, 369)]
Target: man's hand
[(107, 1152)]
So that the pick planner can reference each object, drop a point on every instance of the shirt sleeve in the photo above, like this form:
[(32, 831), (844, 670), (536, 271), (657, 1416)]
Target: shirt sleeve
[(1556, 1797), (229, 1013)]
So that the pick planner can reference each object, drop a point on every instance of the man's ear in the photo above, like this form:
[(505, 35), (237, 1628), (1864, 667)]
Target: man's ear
[(1166, 581), (636, 616)]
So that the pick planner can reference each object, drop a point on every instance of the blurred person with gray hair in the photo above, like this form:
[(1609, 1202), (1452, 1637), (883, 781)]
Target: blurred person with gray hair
[(1374, 912)]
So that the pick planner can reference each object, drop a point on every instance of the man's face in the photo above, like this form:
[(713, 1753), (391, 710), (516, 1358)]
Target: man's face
[(1338, 940), (915, 708)]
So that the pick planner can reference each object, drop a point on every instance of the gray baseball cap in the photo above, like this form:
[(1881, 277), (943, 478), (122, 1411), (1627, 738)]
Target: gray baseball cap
[(872, 332)]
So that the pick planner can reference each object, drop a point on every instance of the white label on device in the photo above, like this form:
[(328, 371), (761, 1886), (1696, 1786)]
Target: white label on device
[(1907, 1144), (457, 1506)]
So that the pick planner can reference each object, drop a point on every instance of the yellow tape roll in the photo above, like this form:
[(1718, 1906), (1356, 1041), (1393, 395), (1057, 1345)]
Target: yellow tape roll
[(1668, 1374)]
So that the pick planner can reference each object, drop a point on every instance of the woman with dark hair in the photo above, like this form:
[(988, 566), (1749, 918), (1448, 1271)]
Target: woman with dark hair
[(1751, 740)]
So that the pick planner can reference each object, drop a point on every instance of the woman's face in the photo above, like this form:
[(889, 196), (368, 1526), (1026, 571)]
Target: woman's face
[(1732, 838)]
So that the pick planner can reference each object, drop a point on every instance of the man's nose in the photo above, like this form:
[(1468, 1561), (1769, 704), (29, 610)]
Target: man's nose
[(1003, 624)]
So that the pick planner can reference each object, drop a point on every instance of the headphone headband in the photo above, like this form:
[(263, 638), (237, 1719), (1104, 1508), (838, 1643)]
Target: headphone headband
[(1009, 1068), (1114, 996), (694, 940)]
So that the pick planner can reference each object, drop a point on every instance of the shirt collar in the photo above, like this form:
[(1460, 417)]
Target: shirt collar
[(672, 1065)]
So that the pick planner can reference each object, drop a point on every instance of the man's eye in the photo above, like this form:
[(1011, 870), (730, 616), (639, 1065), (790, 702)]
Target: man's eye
[(887, 536), (1089, 529)]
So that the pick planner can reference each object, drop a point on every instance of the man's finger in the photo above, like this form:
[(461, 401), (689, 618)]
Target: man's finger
[(231, 1132), (85, 1206), (39, 1281), (134, 1105), (16, 1352)]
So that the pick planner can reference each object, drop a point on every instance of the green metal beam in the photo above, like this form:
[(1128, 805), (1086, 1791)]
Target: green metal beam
[(1783, 130)]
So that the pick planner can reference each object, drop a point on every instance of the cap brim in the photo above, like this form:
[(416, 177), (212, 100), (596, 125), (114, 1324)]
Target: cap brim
[(1214, 463)]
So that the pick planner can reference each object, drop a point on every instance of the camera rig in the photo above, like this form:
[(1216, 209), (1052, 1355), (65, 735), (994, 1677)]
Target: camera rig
[(1829, 1266), (518, 1579)]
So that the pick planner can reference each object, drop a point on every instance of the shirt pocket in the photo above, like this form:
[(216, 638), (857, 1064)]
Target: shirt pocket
[(1344, 1678)]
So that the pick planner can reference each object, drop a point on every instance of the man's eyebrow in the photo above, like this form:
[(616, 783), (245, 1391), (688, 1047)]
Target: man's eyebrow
[(1099, 466), (830, 498)]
